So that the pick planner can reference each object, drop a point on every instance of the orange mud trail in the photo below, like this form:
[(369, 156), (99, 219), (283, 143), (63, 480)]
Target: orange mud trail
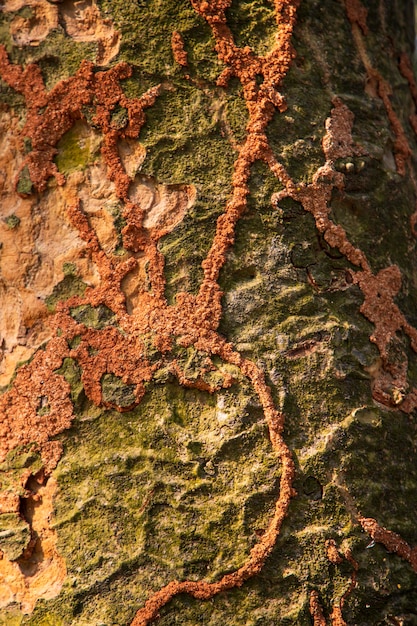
[(194, 319)]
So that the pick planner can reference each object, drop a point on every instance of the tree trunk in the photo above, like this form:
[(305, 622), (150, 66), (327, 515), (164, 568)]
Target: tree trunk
[(208, 313)]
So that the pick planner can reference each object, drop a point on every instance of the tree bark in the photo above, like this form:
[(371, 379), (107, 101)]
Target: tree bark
[(208, 313)]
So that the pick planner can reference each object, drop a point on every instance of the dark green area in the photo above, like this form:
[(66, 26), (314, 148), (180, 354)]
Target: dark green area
[(252, 24), (24, 183), (12, 221), (71, 371), (146, 36), (69, 286), (115, 392), (96, 317), (185, 145)]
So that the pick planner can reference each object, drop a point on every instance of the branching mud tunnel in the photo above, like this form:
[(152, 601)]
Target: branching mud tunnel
[(208, 295)]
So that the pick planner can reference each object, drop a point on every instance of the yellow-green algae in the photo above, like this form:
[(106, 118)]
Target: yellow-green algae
[(70, 285), (76, 149)]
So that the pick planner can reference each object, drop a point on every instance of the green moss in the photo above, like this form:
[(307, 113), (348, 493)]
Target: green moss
[(236, 112), (14, 535), (115, 391), (69, 269), (378, 211), (253, 24), (299, 145), (395, 478), (186, 145), (93, 316), (51, 619), (193, 365), (12, 221), (146, 29), (75, 342), (11, 618), (71, 371), (69, 286), (22, 457), (14, 531), (167, 479), (24, 184)]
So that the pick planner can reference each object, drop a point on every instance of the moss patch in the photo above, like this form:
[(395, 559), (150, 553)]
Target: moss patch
[(116, 392), (14, 530), (70, 286), (14, 535), (96, 317), (253, 24), (76, 149), (24, 184), (12, 221)]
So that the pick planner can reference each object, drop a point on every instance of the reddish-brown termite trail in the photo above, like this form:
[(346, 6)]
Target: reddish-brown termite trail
[(194, 319)]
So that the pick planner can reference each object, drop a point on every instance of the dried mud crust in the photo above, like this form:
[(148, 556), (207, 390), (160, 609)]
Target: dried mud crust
[(137, 344)]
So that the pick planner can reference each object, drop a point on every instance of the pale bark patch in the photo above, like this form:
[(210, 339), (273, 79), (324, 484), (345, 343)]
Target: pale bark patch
[(81, 20), (165, 205), (42, 574)]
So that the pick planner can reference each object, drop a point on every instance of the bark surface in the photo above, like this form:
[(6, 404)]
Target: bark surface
[(208, 289)]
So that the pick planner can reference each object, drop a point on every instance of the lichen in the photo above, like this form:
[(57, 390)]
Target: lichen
[(14, 534), (93, 317), (12, 221), (116, 393), (24, 184), (70, 285), (154, 475), (69, 269)]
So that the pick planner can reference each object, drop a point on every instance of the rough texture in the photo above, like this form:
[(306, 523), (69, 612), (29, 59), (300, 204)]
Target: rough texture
[(207, 271)]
